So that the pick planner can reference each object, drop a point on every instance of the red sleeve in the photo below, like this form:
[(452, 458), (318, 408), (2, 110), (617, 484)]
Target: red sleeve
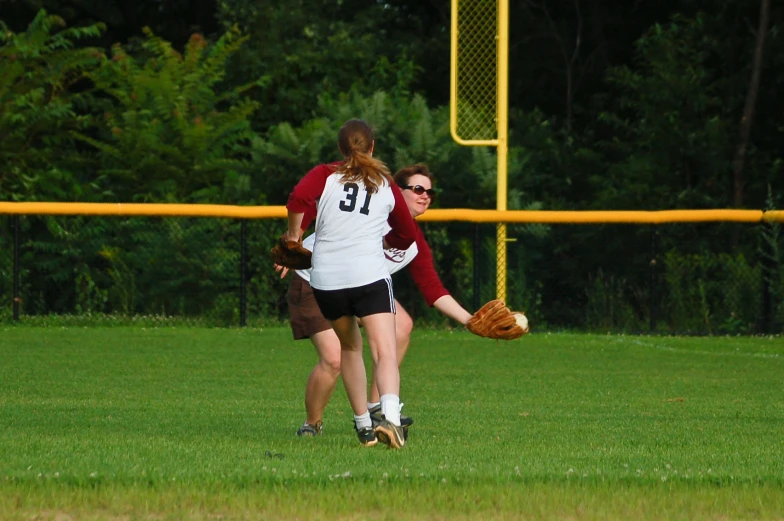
[(309, 217), (310, 212), (403, 231), (303, 197), (423, 271)]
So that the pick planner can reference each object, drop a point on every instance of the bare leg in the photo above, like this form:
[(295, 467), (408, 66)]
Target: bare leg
[(380, 330), (404, 324), (324, 377), (352, 365)]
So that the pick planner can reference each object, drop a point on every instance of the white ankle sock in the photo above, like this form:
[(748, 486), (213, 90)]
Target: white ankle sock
[(373, 404), (390, 408), (363, 420)]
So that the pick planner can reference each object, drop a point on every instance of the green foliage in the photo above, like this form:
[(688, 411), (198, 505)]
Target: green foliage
[(524, 290), (712, 293), (194, 263), (462, 270), (132, 267), (671, 123), (168, 132), (122, 294), (310, 48), (57, 255), (89, 297), (6, 269), (155, 124), (407, 131), (612, 305), (771, 254), (266, 291), (550, 165), (41, 83)]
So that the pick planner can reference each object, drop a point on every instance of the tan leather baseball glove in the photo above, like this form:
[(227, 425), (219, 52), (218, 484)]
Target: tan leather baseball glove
[(495, 320)]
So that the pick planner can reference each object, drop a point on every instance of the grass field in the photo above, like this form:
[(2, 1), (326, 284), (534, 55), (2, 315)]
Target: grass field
[(178, 423)]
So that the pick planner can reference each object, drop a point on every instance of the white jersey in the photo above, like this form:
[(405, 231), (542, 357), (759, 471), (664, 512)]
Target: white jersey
[(396, 259), (350, 226)]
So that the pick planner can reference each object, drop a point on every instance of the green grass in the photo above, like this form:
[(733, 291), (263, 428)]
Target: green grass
[(178, 423)]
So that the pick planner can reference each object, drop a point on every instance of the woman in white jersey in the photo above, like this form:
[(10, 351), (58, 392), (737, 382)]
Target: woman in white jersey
[(306, 320), (354, 200)]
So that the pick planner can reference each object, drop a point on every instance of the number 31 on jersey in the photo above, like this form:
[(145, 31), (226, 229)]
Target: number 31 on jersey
[(350, 202)]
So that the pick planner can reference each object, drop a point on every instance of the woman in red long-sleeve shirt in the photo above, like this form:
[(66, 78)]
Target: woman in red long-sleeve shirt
[(415, 181)]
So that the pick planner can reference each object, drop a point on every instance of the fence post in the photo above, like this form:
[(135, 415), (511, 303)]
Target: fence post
[(243, 272), (477, 247), (17, 247), (652, 282)]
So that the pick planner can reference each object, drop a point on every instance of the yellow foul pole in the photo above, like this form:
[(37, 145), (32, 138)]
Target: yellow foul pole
[(502, 122)]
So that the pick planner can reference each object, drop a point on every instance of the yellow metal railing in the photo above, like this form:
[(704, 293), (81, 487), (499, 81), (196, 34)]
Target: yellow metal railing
[(140, 209), (435, 215)]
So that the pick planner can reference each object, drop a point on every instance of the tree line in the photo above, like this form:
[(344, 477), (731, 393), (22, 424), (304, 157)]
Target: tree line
[(613, 105)]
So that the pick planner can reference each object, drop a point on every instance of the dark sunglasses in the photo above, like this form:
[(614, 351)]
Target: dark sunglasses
[(419, 190)]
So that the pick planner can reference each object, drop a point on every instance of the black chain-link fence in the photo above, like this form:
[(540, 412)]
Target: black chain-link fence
[(714, 278), (145, 269)]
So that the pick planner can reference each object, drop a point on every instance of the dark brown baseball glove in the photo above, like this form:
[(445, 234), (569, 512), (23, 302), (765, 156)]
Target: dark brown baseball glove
[(291, 254), (495, 320)]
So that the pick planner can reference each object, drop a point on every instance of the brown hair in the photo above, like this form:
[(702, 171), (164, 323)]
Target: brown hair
[(404, 174), (355, 141)]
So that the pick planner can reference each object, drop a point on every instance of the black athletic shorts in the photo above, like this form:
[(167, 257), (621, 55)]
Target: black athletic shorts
[(376, 297)]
